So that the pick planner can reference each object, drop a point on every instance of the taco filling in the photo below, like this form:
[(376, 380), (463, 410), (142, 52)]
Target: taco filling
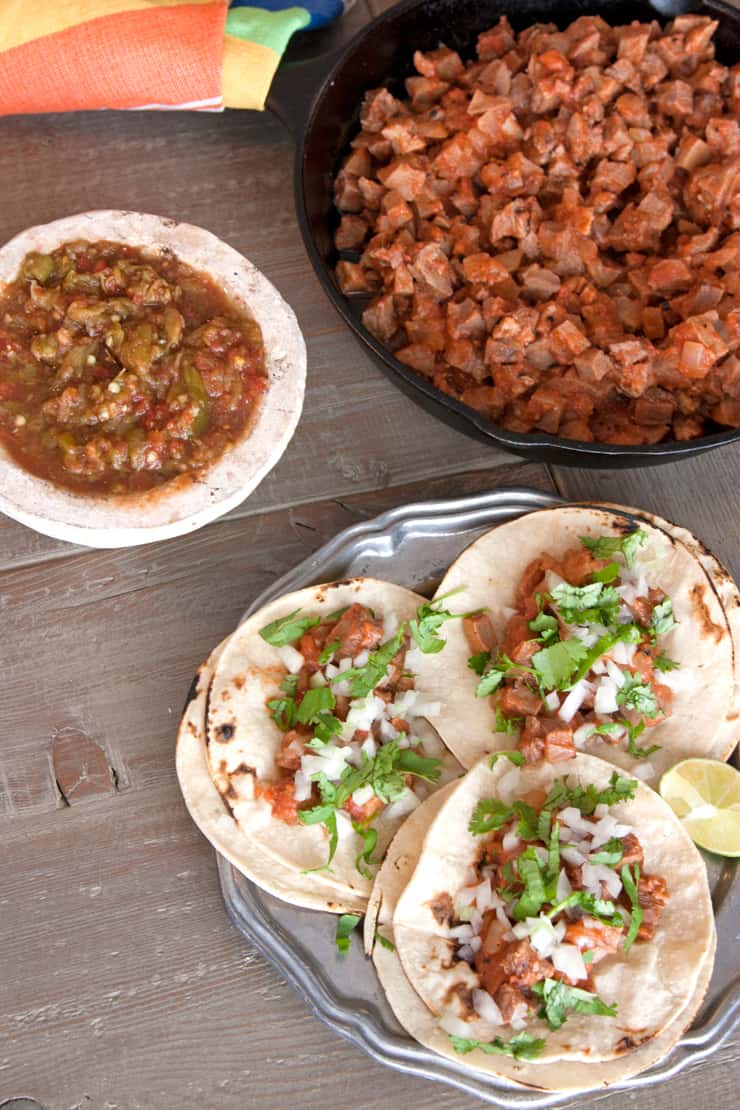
[(582, 653), (355, 742), (557, 886)]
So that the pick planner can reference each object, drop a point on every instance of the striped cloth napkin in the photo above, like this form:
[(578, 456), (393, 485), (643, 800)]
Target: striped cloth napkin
[(68, 55)]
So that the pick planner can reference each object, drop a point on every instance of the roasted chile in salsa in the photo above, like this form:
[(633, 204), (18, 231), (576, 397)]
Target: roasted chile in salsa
[(120, 370)]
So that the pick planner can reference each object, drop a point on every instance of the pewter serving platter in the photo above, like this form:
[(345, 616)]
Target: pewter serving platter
[(413, 546)]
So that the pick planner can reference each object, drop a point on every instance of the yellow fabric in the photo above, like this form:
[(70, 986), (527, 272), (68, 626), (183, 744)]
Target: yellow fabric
[(246, 73), (22, 22)]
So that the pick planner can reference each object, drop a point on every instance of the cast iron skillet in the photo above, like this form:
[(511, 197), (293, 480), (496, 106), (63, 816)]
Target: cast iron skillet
[(320, 102)]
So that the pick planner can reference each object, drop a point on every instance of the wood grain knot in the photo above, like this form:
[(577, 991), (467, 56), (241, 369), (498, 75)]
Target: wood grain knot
[(81, 767)]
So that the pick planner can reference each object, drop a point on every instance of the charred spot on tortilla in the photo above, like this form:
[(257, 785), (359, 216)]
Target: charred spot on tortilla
[(239, 681), (230, 793), (627, 1043), (464, 995), (225, 732), (701, 612), (442, 909)]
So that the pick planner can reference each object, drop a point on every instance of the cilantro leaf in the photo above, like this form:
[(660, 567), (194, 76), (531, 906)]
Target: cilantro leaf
[(534, 894), (286, 630), (346, 925), (313, 701), (384, 941), (600, 908), (491, 681), (369, 836), (587, 798), (514, 757), (663, 663), (638, 694), (509, 725), (557, 997), (489, 814), (609, 854), (282, 711), (608, 574), (479, 661), (626, 633), (546, 625), (633, 731), (323, 815), (588, 955), (429, 617), (522, 1047), (411, 763), (662, 619), (363, 680), (603, 547), (593, 602), (327, 654), (338, 613), (289, 684), (555, 665), (630, 883)]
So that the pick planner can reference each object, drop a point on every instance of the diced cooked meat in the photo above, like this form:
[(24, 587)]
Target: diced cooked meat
[(631, 851), (589, 177), (519, 701), (558, 743), (479, 632), (356, 630), (652, 893)]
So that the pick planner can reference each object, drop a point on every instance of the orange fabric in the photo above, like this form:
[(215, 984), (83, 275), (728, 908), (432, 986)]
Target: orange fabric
[(161, 56)]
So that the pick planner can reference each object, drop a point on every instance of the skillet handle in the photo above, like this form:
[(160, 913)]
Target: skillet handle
[(310, 56)]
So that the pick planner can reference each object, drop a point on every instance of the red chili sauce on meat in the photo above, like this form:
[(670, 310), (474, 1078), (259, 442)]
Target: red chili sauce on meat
[(549, 232), (120, 369)]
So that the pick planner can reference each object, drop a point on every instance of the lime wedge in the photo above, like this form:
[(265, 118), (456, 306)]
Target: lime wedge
[(705, 794)]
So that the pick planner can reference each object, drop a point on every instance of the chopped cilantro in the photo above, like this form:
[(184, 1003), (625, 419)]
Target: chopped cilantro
[(638, 694), (603, 547), (600, 908), (313, 702), (609, 854), (289, 684), (663, 663), (513, 757), (324, 814), (384, 941), (534, 894), (630, 883), (346, 925), (369, 841), (429, 618), (286, 630), (588, 955), (662, 619), (593, 602), (626, 633), (489, 814), (587, 798), (557, 997), (607, 574), (522, 1047), (327, 654), (479, 661), (633, 732), (547, 627), (363, 680), (509, 725), (491, 681), (338, 613), (282, 711), (411, 763), (554, 665)]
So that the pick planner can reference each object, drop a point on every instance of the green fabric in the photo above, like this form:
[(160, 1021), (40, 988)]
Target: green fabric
[(271, 29)]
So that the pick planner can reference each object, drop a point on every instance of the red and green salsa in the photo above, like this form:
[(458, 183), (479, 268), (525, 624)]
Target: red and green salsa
[(120, 370)]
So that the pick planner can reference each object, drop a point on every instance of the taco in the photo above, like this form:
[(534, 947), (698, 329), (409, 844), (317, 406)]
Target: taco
[(213, 817), (554, 922), (591, 629), (316, 733), (434, 982)]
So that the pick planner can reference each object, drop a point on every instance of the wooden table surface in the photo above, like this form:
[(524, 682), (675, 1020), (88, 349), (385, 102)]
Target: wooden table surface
[(122, 982)]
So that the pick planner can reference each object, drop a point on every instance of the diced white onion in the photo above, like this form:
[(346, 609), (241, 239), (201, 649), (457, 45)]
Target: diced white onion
[(567, 959), (521, 930), (510, 841), (474, 944), (341, 689), (582, 734), (330, 761), (404, 805), (331, 670), (508, 784), (552, 700), (573, 856), (599, 667), (362, 795), (587, 636), (519, 1017), (390, 626), (465, 952), (622, 653), (574, 819), (486, 1007), (560, 930), (462, 932), (387, 731), (483, 895), (316, 680), (541, 934), (290, 658), (564, 888), (301, 786), (344, 825), (361, 659), (605, 700), (646, 771), (573, 702), (507, 612), (369, 747), (615, 674)]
